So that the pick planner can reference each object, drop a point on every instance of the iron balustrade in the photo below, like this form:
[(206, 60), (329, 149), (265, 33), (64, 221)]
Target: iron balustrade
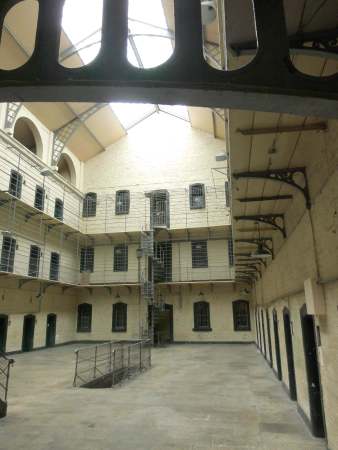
[(107, 364), (5, 365)]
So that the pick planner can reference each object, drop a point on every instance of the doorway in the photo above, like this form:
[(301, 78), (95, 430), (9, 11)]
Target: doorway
[(259, 331), (289, 354), (269, 336), (28, 333), (51, 330), (312, 373), (159, 209), (277, 345), (263, 332), (164, 326), (3, 332)]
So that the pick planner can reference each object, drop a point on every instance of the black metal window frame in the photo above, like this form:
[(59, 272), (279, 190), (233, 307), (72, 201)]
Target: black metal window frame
[(122, 202), (199, 254), (120, 317), (89, 205), (34, 261), (58, 209), (8, 254), (241, 314), (15, 184), (197, 196), (231, 252), (121, 258), (84, 318), (202, 316), (39, 200), (54, 270), (87, 259)]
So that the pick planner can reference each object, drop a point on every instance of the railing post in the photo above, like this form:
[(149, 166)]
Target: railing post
[(76, 367), (128, 372), (110, 355), (95, 359), (140, 356)]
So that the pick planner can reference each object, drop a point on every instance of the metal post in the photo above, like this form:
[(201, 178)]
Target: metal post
[(149, 350), (95, 358), (140, 356), (114, 360), (76, 366), (128, 372), (110, 351)]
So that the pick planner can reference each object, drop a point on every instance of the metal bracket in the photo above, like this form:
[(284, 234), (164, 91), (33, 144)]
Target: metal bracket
[(265, 198), (275, 220), (259, 241), (28, 216), (254, 261), (283, 175), (109, 289), (247, 274), (66, 288), (24, 281), (249, 266)]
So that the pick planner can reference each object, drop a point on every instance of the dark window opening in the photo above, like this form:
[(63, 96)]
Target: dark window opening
[(160, 209), (241, 313), (122, 202), (8, 254), (34, 261), (121, 258), (201, 316), (15, 184), (119, 317), (197, 196), (84, 318), (231, 252), (54, 271), (58, 209), (39, 202), (89, 205), (199, 252), (227, 193), (162, 261), (87, 259)]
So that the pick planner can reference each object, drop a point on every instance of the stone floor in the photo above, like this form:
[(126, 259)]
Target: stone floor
[(195, 397)]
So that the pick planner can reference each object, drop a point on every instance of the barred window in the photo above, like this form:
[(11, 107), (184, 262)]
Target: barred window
[(54, 270), (231, 252), (34, 261), (119, 317), (58, 209), (15, 184), (199, 253), (121, 258), (87, 259), (241, 313), (122, 202), (39, 202), (89, 205), (201, 316), (84, 318), (227, 193), (197, 196), (7, 254)]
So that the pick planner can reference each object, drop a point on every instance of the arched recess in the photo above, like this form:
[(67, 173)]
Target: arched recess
[(28, 135), (66, 169)]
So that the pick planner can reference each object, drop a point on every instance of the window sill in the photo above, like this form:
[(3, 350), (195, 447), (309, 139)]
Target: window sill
[(202, 329), (84, 331), (119, 331)]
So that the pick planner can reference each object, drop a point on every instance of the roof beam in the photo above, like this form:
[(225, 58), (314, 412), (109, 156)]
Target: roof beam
[(266, 198), (320, 126)]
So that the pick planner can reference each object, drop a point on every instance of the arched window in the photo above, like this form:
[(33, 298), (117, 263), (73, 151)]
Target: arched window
[(119, 317), (241, 313), (84, 318), (201, 316), (122, 202), (197, 196), (89, 205), (66, 169), (27, 134)]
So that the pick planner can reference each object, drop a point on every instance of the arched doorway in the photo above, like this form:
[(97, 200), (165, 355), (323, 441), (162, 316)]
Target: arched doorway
[(289, 354), (3, 332), (27, 134), (277, 345), (28, 333), (51, 330), (263, 333), (269, 336), (312, 373), (66, 169)]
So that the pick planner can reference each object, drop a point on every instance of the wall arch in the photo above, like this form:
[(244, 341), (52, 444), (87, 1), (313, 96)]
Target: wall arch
[(26, 132), (66, 169)]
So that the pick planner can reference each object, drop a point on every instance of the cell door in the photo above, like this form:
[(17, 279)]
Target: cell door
[(3, 332), (51, 330), (269, 336), (312, 373), (263, 332), (28, 333), (159, 209), (289, 354), (277, 345)]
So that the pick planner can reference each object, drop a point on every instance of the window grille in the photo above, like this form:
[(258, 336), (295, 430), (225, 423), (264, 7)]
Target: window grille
[(39, 202), (58, 209), (241, 313), (199, 252), (15, 184), (8, 254), (54, 270), (197, 196), (119, 317), (34, 261), (87, 259), (121, 258), (122, 202), (89, 205), (201, 316), (84, 318)]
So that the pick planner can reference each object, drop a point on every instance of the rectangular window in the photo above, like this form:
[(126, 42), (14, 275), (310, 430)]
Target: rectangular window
[(89, 205), (201, 316), (87, 259), (8, 254), (119, 317), (84, 318), (122, 202), (15, 184), (241, 313), (227, 194), (54, 271), (34, 261), (121, 258), (199, 253), (197, 196), (39, 202), (58, 209)]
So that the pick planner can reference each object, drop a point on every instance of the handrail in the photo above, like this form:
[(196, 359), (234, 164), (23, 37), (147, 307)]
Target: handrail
[(4, 381)]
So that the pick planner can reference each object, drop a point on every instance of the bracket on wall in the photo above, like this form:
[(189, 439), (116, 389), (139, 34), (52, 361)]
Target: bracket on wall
[(249, 266), (284, 176), (109, 289), (260, 242), (24, 281), (71, 233), (129, 289), (66, 288), (247, 274), (275, 220), (12, 112), (253, 261), (29, 216)]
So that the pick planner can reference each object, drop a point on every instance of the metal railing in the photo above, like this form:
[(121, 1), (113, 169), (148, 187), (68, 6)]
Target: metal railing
[(5, 365), (107, 364)]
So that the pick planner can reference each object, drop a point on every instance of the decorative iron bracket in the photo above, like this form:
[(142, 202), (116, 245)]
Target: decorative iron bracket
[(284, 176), (275, 220), (260, 241)]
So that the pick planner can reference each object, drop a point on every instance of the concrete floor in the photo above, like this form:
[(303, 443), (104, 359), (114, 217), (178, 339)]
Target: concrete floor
[(196, 397)]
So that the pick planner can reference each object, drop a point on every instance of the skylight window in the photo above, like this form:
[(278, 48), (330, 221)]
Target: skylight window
[(129, 114)]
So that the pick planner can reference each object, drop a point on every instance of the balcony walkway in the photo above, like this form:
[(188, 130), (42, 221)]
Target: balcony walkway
[(196, 397)]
